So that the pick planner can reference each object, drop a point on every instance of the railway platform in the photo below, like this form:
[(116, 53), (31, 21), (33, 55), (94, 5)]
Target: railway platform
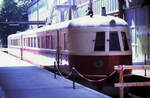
[(19, 79)]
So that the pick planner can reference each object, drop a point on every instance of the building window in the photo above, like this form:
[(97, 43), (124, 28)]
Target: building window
[(124, 40), (114, 42), (100, 41)]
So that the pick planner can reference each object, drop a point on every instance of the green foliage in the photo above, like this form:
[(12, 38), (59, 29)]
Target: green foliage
[(12, 11)]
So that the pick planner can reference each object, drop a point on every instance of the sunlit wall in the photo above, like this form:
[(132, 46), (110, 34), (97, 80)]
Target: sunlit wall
[(137, 17)]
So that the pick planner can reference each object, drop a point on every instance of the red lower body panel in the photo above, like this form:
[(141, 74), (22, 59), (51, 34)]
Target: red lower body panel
[(98, 65)]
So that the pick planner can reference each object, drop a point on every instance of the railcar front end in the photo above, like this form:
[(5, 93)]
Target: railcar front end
[(95, 47)]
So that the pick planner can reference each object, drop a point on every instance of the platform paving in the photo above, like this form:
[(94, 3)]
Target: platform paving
[(19, 79)]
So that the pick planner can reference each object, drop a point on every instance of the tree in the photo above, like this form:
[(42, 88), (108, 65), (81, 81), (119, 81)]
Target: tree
[(12, 11)]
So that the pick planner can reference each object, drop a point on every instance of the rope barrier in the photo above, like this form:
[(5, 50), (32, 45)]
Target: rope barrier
[(90, 80), (70, 73), (82, 76)]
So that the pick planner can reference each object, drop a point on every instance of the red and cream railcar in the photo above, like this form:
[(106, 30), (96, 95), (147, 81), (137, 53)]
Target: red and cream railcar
[(93, 45)]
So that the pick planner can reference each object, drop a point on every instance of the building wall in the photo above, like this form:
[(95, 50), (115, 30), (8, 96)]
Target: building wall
[(138, 20), (110, 5), (42, 8), (39, 10)]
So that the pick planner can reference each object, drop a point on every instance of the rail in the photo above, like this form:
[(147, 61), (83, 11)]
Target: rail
[(122, 84)]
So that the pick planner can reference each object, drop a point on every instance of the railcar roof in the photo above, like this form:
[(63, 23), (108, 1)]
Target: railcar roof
[(86, 21), (97, 20)]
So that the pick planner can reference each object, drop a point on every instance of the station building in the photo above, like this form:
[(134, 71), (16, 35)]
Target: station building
[(135, 12), (42, 10)]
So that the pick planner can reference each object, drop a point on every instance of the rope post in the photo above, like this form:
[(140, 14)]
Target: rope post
[(145, 73), (74, 77), (145, 63), (54, 70), (121, 81)]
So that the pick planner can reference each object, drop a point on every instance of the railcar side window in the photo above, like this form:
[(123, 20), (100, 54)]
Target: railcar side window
[(43, 41), (114, 42), (65, 41), (24, 41), (15, 42), (31, 42), (54, 42), (12, 42), (34, 41), (39, 42), (124, 40), (100, 41), (47, 41)]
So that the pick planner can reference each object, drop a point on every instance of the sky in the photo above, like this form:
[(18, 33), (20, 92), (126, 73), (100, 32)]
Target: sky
[(1, 2)]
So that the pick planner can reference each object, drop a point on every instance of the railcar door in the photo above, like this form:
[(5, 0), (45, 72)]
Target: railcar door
[(21, 47), (58, 49)]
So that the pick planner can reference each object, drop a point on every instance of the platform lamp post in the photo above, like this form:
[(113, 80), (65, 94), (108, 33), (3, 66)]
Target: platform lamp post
[(91, 5), (148, 44), (58, 50), (74, 77), (90, 9), (70, 10)]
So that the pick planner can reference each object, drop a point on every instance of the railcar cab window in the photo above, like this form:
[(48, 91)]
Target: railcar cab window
[(114, 44), (124, 40), (100, 41)]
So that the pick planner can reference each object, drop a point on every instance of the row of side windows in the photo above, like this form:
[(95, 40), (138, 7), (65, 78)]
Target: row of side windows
[(48, 42)]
